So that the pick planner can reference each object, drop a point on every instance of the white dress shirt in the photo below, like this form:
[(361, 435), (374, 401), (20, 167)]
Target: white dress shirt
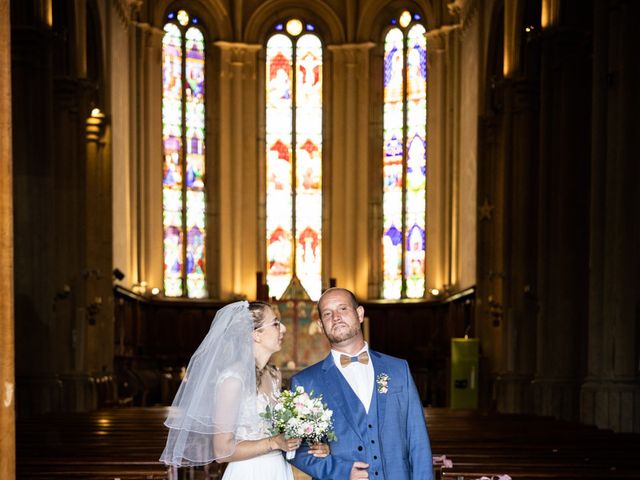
[(358, 375)]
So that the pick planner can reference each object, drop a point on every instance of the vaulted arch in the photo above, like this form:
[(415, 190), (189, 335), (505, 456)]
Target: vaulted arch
[(327, 22), (215, 17), (375, 15)]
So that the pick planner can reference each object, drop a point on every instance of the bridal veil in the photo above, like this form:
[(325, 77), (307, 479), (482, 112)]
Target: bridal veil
[(215, 407)]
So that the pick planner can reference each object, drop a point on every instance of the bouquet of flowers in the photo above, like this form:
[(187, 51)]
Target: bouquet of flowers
[(298, 414)]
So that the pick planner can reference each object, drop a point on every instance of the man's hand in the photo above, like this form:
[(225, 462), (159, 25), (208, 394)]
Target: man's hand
[(359, 470)]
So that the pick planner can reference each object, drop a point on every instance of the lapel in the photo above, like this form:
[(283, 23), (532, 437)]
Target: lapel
[(335, 385), (379, 366)]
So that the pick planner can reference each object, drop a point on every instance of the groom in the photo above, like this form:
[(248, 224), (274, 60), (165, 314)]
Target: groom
[(377, 413)]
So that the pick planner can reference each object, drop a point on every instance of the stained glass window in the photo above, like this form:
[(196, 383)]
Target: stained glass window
[(294, 158), (404, 159), (183, 188)]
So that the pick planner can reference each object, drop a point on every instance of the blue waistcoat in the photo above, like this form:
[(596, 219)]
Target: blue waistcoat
[(369, 450)]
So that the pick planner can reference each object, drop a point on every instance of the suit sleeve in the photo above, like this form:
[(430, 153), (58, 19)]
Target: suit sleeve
[(328, 468), (420, 458)]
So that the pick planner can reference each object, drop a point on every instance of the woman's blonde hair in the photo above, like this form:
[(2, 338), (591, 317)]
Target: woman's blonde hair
[(258, 310)]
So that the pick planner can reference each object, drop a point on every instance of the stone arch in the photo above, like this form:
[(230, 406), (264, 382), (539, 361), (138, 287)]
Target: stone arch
[(373, 18), (327, 21), (215, 17)]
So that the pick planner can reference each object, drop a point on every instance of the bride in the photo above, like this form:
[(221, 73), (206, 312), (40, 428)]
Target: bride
[(215, 415)]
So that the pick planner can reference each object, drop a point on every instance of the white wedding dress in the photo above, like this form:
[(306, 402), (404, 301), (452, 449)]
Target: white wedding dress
[(270, 466)]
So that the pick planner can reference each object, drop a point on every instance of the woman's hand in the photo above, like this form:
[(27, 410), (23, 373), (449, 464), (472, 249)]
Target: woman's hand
[(320, 450), (284, 444)]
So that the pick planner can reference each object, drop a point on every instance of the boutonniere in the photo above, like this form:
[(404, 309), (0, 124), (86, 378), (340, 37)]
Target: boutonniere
[(383, 382)]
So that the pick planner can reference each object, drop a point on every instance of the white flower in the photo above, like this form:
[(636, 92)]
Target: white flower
[(383, 383), (300, 414)]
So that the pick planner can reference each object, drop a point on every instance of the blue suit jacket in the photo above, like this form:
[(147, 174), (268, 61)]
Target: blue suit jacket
[(405, 447)]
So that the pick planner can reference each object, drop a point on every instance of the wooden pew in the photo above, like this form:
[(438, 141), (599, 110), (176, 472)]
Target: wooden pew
[(126, 443), (525, 446), (106, 444)]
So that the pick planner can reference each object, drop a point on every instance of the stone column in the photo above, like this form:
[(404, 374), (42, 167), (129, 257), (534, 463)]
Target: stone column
[(73, 274), (520, 247), (437, 126), (34, 212), (512, 35), (7, 382), (144, 169), (346, 174), (563, 219), (610, 396), (237, 218), (444, 130), (98, 294), (122, 92)]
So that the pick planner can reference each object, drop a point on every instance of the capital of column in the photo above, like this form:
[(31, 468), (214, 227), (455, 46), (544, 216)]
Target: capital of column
[(151, 36), (125, 8), (463, 10), (240, 52), (147, 27), (237, 59), (364, 47), (436, 38), (351, 53)]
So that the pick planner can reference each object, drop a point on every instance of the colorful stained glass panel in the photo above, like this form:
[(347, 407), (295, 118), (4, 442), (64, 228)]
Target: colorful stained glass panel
[(183, 119), (404, 163), (294, 244), (392, 164), (308, 222), (415, 241), (279, 143)]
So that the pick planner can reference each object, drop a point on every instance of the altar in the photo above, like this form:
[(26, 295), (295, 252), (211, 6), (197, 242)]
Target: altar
[(304, 343)]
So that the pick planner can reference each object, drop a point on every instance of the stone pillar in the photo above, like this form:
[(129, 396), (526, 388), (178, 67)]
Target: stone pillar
[(610, 396), (238, 187), (73, 275), (471, 61), (138, 190), (489, 325), (98, 295), (347, 172), (563, 219), (152, 164), (122, 93), (550, 12), (437, 126), (35, 255), (520, 246), (7, 382), (512, 35)]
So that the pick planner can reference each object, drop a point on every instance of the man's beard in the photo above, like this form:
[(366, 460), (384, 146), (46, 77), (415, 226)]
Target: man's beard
[(343, 334)]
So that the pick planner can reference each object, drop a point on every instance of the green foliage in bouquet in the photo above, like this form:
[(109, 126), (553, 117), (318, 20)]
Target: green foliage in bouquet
[(298, 414)]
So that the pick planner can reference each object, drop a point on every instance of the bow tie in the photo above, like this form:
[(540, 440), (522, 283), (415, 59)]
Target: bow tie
[(362, 358)]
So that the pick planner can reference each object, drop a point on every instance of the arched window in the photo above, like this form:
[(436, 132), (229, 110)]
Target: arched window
[(404, 159), (294, 158), (183, 137)]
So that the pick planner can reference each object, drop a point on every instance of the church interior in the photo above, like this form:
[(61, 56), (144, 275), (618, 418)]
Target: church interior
[(462, 166)]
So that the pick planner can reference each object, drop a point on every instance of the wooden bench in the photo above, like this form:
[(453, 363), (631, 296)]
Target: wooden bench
[(525, 446), (126, 443)]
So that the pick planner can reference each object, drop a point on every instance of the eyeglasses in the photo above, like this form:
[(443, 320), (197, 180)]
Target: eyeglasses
[(277, 322)]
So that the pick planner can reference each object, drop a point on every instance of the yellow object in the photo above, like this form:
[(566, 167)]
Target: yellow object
[(464, 372)]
